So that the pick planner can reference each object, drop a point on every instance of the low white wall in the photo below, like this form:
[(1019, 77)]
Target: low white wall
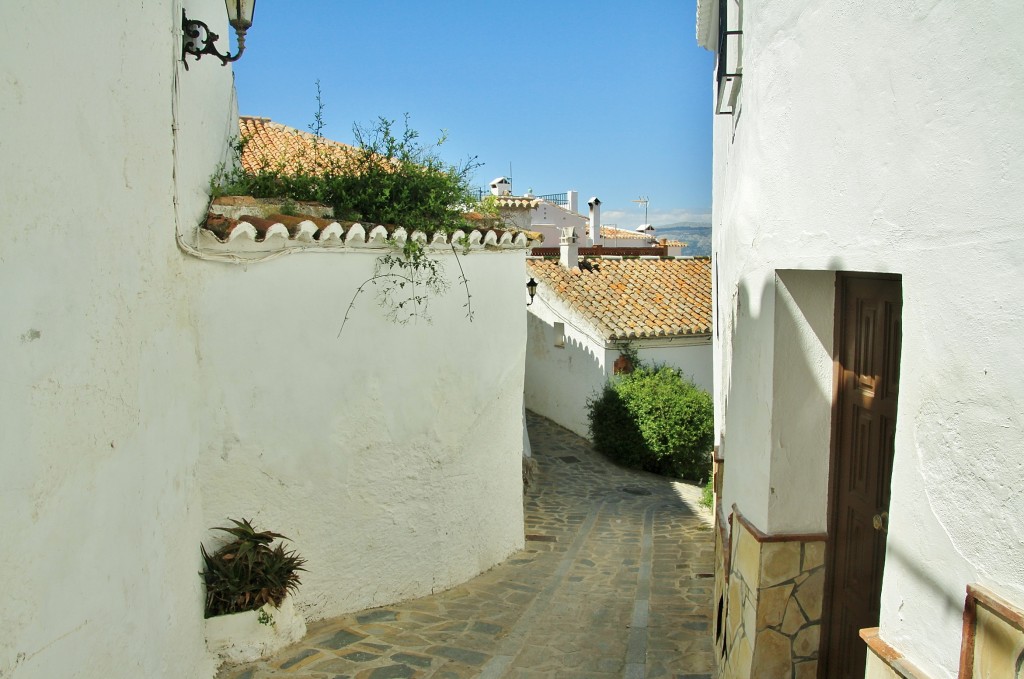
[(692, 355), (100, 410), (390, 455), (627, 243)]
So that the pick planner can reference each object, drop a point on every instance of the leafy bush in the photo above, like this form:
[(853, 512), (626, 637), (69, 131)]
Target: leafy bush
[(393, 179), (247, 573), (657, 420), (388, 178)]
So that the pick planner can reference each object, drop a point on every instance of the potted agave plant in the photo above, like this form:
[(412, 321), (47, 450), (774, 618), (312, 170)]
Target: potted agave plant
[(249, 609)]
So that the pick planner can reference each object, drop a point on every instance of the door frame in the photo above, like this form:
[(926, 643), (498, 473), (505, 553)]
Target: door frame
[(833, 477)]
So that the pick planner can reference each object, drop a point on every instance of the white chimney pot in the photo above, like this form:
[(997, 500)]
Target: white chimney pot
[(595, 219), (568, 248)]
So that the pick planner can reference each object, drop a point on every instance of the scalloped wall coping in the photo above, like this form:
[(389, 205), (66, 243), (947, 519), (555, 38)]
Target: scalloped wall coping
[(258, 235)]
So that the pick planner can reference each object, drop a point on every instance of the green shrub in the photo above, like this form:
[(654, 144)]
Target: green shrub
[(707, 494), (389, 177), (657, 420)]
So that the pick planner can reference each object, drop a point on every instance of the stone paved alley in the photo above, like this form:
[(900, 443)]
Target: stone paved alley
[(615, 581)]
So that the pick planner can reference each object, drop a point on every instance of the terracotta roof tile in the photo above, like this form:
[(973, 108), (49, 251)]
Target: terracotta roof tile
[(273, 146), (623, 234), (635, 298)]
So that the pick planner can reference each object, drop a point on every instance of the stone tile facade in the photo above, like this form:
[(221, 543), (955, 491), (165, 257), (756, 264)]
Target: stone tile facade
[(768, 596)]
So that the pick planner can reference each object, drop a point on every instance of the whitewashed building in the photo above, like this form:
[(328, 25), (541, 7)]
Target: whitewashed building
[(869, 266), (158, 378), (586, 310)]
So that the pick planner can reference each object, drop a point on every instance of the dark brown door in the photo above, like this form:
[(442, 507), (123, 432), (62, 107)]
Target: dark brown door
[(868, 329)]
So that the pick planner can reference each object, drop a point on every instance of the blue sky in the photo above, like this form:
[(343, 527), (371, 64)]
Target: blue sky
[(612, 99)]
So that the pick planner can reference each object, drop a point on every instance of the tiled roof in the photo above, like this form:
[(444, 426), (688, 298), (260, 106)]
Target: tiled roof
[(273, 146), (634, 298), (623, 234), (614, 233)]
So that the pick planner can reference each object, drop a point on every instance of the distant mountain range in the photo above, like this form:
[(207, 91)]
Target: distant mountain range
[(696, 235)]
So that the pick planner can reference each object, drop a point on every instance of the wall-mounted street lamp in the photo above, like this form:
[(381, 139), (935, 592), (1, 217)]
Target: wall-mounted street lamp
[(198, 39), (531, 287)]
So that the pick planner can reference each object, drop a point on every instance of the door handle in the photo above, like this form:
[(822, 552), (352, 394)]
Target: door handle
[(881, 522)]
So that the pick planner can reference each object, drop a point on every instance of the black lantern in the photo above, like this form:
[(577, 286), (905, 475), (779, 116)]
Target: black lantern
[(198, 39), (531, 287)]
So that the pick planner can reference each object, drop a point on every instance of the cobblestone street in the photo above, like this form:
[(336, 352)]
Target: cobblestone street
[(615, 581)]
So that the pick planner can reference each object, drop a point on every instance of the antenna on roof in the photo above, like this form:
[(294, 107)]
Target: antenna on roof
[(640, 199), (510, 178)]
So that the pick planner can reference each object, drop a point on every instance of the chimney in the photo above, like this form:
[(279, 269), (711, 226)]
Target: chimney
[(574, 200), (568, 248), (501, 186), (595, 220)]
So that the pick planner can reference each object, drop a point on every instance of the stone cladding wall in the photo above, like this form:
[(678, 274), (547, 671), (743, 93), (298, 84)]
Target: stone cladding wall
[(768, 595)]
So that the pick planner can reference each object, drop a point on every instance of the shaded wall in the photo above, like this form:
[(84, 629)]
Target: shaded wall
[(390, 455), (101, 421)]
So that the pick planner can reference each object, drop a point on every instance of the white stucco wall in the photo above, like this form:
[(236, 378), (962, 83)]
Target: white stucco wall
[(692, 355), (100, 416), (561, 379), (550, 219), (627, 243), (801, 381), (391, 455), (898, 150)]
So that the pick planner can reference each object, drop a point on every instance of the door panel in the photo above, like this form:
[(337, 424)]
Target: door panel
[(869, 331)]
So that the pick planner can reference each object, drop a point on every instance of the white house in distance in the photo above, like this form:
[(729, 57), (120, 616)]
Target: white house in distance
[(158, 378), (868, 220), (643, 236), (585, 310), (549, 214)]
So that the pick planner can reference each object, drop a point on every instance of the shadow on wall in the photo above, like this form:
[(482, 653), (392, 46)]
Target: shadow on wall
[(777, 394), (776, 406), (563, 371)]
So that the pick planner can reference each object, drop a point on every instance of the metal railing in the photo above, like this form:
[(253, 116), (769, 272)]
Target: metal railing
[(556, 198)]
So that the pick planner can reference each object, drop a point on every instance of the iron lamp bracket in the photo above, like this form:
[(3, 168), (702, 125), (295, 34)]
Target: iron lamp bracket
[(198, 39)]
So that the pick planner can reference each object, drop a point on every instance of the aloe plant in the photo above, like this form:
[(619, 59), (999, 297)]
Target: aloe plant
[(247, 572)]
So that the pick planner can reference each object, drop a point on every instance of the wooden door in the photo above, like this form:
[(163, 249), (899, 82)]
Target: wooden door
[(868, 326)]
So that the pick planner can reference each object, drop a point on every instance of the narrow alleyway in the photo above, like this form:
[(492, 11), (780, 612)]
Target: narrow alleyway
[(615, 581)]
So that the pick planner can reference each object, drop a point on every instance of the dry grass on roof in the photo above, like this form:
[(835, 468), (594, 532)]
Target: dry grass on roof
[(633, 298)]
